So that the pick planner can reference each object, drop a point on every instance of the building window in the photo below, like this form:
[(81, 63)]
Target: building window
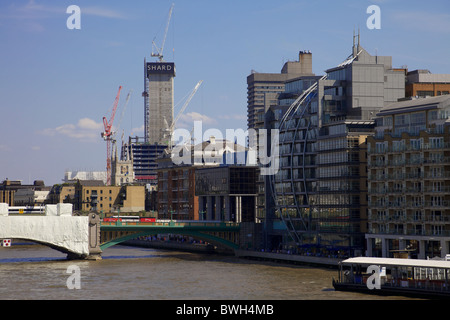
[(425, 93), (387, 121), (415, 144), (436, 143)]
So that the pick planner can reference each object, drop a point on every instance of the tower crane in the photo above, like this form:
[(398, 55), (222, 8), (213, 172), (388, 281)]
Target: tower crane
[(169, 130), (107, 135), (113, 140), (159, 51)]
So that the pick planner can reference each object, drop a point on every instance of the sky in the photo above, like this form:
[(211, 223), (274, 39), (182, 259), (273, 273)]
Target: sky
[(57, 84)]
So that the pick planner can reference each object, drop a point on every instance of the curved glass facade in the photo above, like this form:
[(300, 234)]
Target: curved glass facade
[(295, 183), (319, 196)]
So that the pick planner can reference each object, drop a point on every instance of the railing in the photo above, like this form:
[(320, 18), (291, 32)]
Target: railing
[(411, 232), (26, 210), (172, 223), (410, 204), (426, 219), (422, 147)]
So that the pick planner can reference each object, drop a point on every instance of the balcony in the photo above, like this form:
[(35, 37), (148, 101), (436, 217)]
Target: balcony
[(410, 232), (403, 148)]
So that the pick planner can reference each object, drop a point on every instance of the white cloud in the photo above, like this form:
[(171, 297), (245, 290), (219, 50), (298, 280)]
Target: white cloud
[(138, 130), (187, 120), (86, 130), (233, 117), (89, 124)]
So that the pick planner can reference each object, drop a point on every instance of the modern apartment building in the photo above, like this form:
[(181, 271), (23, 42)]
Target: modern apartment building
[(319, 194), (409, 180)]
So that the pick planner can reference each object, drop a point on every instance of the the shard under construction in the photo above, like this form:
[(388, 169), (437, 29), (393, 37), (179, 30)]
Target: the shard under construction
[(158, 112), (158, 115), (159, 98)]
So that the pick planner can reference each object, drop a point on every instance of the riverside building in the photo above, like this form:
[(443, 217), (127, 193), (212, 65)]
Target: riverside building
[(409, 180), (319, 194), (263, 91)]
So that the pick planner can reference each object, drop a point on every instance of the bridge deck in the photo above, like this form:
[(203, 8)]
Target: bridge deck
[(226, 233), (198, 226)]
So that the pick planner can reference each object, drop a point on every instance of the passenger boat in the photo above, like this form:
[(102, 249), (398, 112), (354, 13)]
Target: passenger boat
[(406, 277)]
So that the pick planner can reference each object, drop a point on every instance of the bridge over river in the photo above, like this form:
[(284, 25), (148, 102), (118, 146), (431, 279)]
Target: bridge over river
[(85, 237)]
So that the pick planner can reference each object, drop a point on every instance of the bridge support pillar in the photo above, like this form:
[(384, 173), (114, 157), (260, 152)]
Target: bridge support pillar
[(94, 237)]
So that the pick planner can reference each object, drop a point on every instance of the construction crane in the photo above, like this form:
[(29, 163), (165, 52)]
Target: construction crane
[(169, 129), (159, 51), (107, 135), (113, 140)]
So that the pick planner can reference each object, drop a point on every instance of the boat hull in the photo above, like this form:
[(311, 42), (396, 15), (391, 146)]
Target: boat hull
[(392, 291)]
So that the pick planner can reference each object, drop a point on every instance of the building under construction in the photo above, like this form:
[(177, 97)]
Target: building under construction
[(158, 116)]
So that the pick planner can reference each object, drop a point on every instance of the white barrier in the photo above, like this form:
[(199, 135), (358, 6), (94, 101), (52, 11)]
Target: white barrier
[(4, 210), (50, 210)]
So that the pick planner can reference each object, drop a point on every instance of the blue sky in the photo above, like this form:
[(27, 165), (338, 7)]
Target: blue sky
[(57, 84)]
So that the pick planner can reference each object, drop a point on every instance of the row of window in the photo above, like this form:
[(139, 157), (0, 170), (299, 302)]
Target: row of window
[(402, 145)]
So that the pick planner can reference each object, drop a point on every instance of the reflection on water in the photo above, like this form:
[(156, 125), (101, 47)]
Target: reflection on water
[(38, 272)]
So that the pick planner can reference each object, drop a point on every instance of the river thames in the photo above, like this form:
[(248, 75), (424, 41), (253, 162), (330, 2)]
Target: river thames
[(32, 272)]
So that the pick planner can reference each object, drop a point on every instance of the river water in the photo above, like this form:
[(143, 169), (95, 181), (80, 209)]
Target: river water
[(34, 272)]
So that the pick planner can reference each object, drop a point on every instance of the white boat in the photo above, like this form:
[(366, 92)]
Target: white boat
[(387, 276)]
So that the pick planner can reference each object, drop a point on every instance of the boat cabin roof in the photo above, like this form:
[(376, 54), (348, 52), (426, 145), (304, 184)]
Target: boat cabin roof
[(397, 262)]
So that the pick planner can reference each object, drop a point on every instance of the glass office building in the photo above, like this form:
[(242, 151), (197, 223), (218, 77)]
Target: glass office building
[(319, 195)]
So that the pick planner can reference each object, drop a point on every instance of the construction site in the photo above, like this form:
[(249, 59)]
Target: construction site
[(135, 162)]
